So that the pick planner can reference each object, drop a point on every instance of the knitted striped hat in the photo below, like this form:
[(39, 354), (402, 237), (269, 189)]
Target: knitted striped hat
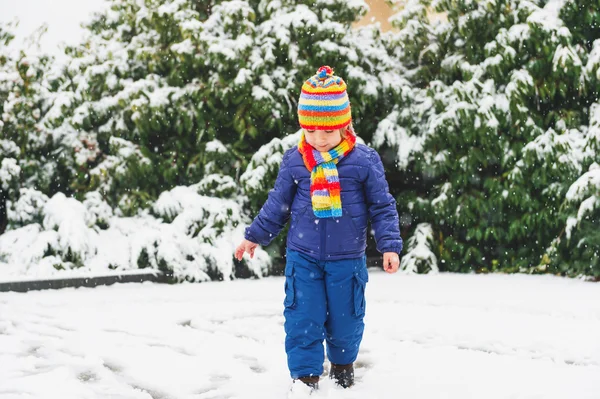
[(324, 103)]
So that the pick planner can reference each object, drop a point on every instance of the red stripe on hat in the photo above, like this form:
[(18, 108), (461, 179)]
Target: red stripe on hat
[(333, 127), (324, 113), (325, 93)]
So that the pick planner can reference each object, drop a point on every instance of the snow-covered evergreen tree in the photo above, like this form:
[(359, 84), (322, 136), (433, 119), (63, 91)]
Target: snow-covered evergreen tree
[(29, 158), (157, 85), (495, 127), (171, 94), (167, 102)]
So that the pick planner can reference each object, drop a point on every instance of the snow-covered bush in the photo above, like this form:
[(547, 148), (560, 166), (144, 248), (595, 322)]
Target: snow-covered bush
[(162, 135), (217, 185), (420, 257), (29, 158), (262, 169), (577, 249), (29, 208), (493, 128), (190, 236), (163, 94)]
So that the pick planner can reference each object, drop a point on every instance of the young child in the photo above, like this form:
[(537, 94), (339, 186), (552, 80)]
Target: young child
[(331, 187)]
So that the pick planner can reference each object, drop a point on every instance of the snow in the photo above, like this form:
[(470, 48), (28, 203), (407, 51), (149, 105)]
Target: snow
[(452, 61), (28, 207), (434, 336), (518, 33), (572, 140), (192, 235), (97, 210), (115, 165), (494, 61), (594, 59), (9, 169), (244, 75), (258, 93), (390, 132), (300, 16), (450, 115), (217, 29), (570, 226), (410, 10), (267, 82), (268, 157), (519, 79), (369, 84), (565, 57), (587, 206), (441, 199), (590, 180), (170, 7), (548, 19), (8, 147), (593, 134), (216, 146), (185, 47), (419, 250), (67, 217)]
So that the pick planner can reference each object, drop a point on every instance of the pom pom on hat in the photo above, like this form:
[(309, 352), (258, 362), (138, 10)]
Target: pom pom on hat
[(324, 72), (324, 103)]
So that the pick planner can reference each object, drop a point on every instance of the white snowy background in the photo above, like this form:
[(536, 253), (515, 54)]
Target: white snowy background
[(62, 18), (427, 336)]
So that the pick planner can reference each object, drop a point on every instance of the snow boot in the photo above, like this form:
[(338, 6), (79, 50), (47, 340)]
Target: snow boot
[(342, 374), (312, 382)]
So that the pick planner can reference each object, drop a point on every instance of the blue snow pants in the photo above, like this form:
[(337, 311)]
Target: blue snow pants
[(324, 300)]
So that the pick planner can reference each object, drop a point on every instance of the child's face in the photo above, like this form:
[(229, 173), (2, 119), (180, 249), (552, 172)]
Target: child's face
[(323, 140)]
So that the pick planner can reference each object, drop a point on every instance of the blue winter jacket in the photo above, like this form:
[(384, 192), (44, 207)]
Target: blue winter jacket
[(365, 196)]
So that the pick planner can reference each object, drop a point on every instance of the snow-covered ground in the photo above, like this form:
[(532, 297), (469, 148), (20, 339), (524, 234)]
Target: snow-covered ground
[(433, 336)]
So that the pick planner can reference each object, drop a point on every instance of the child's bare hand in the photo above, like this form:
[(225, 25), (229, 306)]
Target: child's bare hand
[(391, 262), (245, 246)]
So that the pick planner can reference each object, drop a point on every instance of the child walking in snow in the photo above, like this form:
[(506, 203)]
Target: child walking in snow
[(331, 187)]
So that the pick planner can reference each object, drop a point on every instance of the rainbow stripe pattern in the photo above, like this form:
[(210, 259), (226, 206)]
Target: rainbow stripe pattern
[(324, 103), (324, 180)]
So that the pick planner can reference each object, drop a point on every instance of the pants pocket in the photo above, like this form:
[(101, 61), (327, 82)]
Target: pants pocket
[(360, 283), (290, 289)]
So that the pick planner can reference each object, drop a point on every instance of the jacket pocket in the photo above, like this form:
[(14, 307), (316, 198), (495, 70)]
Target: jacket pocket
[(361, 277), (360, 225), (304, 231), (290, 286), (342, 236)]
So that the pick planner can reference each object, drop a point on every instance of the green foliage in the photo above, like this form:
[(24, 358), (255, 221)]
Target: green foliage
[(488, 123), (27, 149), (167, 79), (493, 129)]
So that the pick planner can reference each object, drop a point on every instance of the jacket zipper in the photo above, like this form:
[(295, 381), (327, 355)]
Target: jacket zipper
[(323, 223)]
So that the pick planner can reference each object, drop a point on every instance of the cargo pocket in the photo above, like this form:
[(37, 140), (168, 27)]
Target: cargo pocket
[(290, 289), (361, 278)]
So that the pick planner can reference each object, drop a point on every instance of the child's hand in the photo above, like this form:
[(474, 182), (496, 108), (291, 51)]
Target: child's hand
[(391, 262), (245, 246)]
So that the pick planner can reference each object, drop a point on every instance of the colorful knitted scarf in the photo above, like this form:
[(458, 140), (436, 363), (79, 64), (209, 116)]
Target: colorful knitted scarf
[(324, 180)]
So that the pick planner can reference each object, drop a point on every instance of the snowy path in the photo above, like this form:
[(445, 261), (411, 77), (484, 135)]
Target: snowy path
[(444, 336)]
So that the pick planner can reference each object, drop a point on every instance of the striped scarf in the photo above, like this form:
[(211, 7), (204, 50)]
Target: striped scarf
[(324, 181)]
